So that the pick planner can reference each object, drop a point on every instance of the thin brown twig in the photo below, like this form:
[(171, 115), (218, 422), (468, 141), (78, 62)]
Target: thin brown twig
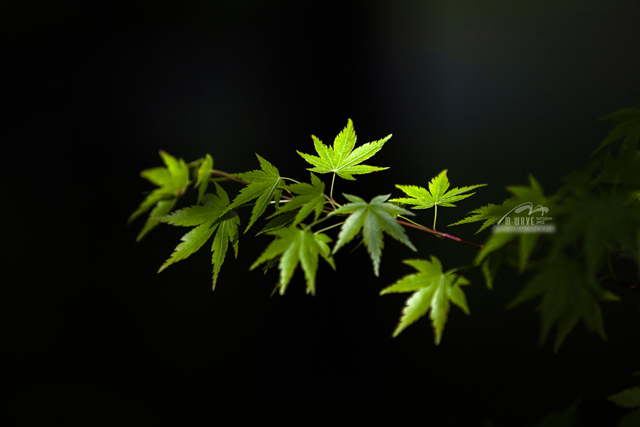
[(438, 233)]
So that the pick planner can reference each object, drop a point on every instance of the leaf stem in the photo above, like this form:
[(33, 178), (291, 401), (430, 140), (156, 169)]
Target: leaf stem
[(435, 215), (316, 222), (291, 179), (333, 179), (330, 227)]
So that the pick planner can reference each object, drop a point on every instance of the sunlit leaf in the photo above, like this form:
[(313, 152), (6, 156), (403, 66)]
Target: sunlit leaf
[(264, 185), (372, 218), (294, 247), (432, 290), (204, 172), (438, 194), (172, 180), (209, 219), (310, 199), (342, 159)]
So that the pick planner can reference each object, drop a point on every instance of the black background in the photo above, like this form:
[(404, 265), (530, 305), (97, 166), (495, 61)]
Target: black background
[(491, 91)]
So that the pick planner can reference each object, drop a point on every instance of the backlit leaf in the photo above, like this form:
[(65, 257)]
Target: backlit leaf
[(294, 247), (264, 185), (342, 159), (209, 219), (372, 218), (310, 198), (438, 194), (172, 180), (432, 290), (204, 172)]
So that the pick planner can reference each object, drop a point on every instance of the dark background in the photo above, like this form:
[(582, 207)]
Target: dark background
[(492, 91)]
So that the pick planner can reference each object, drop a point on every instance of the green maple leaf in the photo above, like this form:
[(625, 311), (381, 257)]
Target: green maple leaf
[(490, 214), (204, 172), (342, 159), (628, 129), (432, 290), (208, 218), (172, 180), (372, 218), (623, 173), (279, 221), (227, 233), (438, 194), (569, 294), (265, 185), (491, 263), (598, 222), (310, 198), (525, 197), (296, 246)]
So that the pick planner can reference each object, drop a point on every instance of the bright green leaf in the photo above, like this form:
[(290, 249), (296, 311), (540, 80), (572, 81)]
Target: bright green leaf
[(310, 198), (227, 233), (278, 222), (191, 216), (433, 290), (204, 172), (342, 159), (162, 207), (191, 242), (438, 194), (264, 185), (295, 246), (372, 218), (208, 219), (172, 180)]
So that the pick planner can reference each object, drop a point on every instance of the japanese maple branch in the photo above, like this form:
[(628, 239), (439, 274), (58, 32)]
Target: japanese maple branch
[(438, 233), (401, 222)]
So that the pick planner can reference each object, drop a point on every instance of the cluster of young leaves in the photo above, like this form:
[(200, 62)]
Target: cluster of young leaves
[(306, 205), (207, 218), (172, 181), (372, 218), (264, 185), (596, 214)]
